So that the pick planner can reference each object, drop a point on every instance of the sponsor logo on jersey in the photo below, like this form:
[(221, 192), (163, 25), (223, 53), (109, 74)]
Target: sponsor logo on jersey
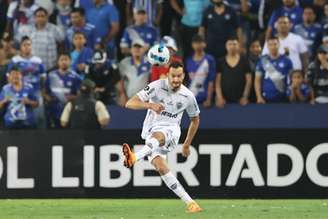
[(170, 115)]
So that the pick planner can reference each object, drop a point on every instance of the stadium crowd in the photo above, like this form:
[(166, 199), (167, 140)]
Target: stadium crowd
[(234, 51)]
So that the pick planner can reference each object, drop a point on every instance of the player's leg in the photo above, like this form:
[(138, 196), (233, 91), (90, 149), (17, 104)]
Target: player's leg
[(156, 140), (172, 183)]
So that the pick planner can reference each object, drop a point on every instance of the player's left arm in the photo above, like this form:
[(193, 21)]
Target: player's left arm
[(193, 112), (193, 127)]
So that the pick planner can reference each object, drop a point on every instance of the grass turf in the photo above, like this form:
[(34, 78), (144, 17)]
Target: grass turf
[(160, 208)]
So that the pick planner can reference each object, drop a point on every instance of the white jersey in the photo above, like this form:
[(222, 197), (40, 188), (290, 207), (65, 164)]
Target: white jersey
[(175, 103)]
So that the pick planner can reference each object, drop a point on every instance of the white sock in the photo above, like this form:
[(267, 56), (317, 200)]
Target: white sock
[(173, 184), (150, 145)]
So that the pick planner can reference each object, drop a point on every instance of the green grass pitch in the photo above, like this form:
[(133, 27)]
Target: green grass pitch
[(160, 208)]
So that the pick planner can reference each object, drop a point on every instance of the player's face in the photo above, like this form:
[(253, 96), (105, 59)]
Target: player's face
[(64, 62), (326, 10), (308, 15), (273, 46), (137, 51), (289, 3), (76, 18), (297, 78), (175, 77), (198, 46), (255, 48), (283, 25), (26, 47), (232, 46), (140, 18), (15, 77), (79, 40), (41, 18)]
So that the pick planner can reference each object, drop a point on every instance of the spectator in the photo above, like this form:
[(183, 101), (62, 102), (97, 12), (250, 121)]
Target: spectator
[(153, 9), (106, 76), (140, 30), (3, 66), (105, 18), (3, 17), (18, 100), (85, 112), (79, 24), (191, 20), (81, 56), (309, 30), (289, 9), (61, 86), (160, 71), (19, 13), (254, 53), (31, 66), (324, 20), (34, 73), (46, 37), (201, 69), (220, 22), (290, 44), (298, 91), (135, 70), (234, 78), (87, 4), (8, 46), (318, 75), (272, 72), (61, 14)]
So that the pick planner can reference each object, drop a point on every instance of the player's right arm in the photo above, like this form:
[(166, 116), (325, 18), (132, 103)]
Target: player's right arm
[(141, 100), (137, 104)]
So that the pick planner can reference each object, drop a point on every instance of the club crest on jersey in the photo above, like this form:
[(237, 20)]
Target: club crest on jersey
[(179, 105)]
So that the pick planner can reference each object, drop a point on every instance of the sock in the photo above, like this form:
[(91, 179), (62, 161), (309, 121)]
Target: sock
[(150, 145), (173, 184)]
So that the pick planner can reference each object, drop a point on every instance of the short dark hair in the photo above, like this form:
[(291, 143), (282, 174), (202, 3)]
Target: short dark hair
[(64, 54), (79, 10), (283, 16), (176, 65), (79, 33), (40, 9), (25, 38), (309, 7), (232, 38), (273, 38), (15, 68)]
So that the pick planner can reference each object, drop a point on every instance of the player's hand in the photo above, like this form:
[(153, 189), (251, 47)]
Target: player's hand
[(260, 100), (207, 103), (220, 102), (243, 101), (158, 108), (185, 150)]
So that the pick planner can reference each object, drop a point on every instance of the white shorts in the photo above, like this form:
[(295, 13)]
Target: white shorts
[(172, 136)]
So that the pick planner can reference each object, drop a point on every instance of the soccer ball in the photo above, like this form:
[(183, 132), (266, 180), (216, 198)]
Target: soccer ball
[(158, 55)]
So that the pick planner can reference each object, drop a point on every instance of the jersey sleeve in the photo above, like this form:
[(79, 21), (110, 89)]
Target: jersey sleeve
[(125, 40), (192, 109), (113, 14), (259, 69), (148, 92)]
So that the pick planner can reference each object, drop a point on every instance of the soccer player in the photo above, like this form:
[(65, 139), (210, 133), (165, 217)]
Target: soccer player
[(61, 86), (165, 100)]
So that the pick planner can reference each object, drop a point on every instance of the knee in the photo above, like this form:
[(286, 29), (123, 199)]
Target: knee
[(160, 137), (161, 169)]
